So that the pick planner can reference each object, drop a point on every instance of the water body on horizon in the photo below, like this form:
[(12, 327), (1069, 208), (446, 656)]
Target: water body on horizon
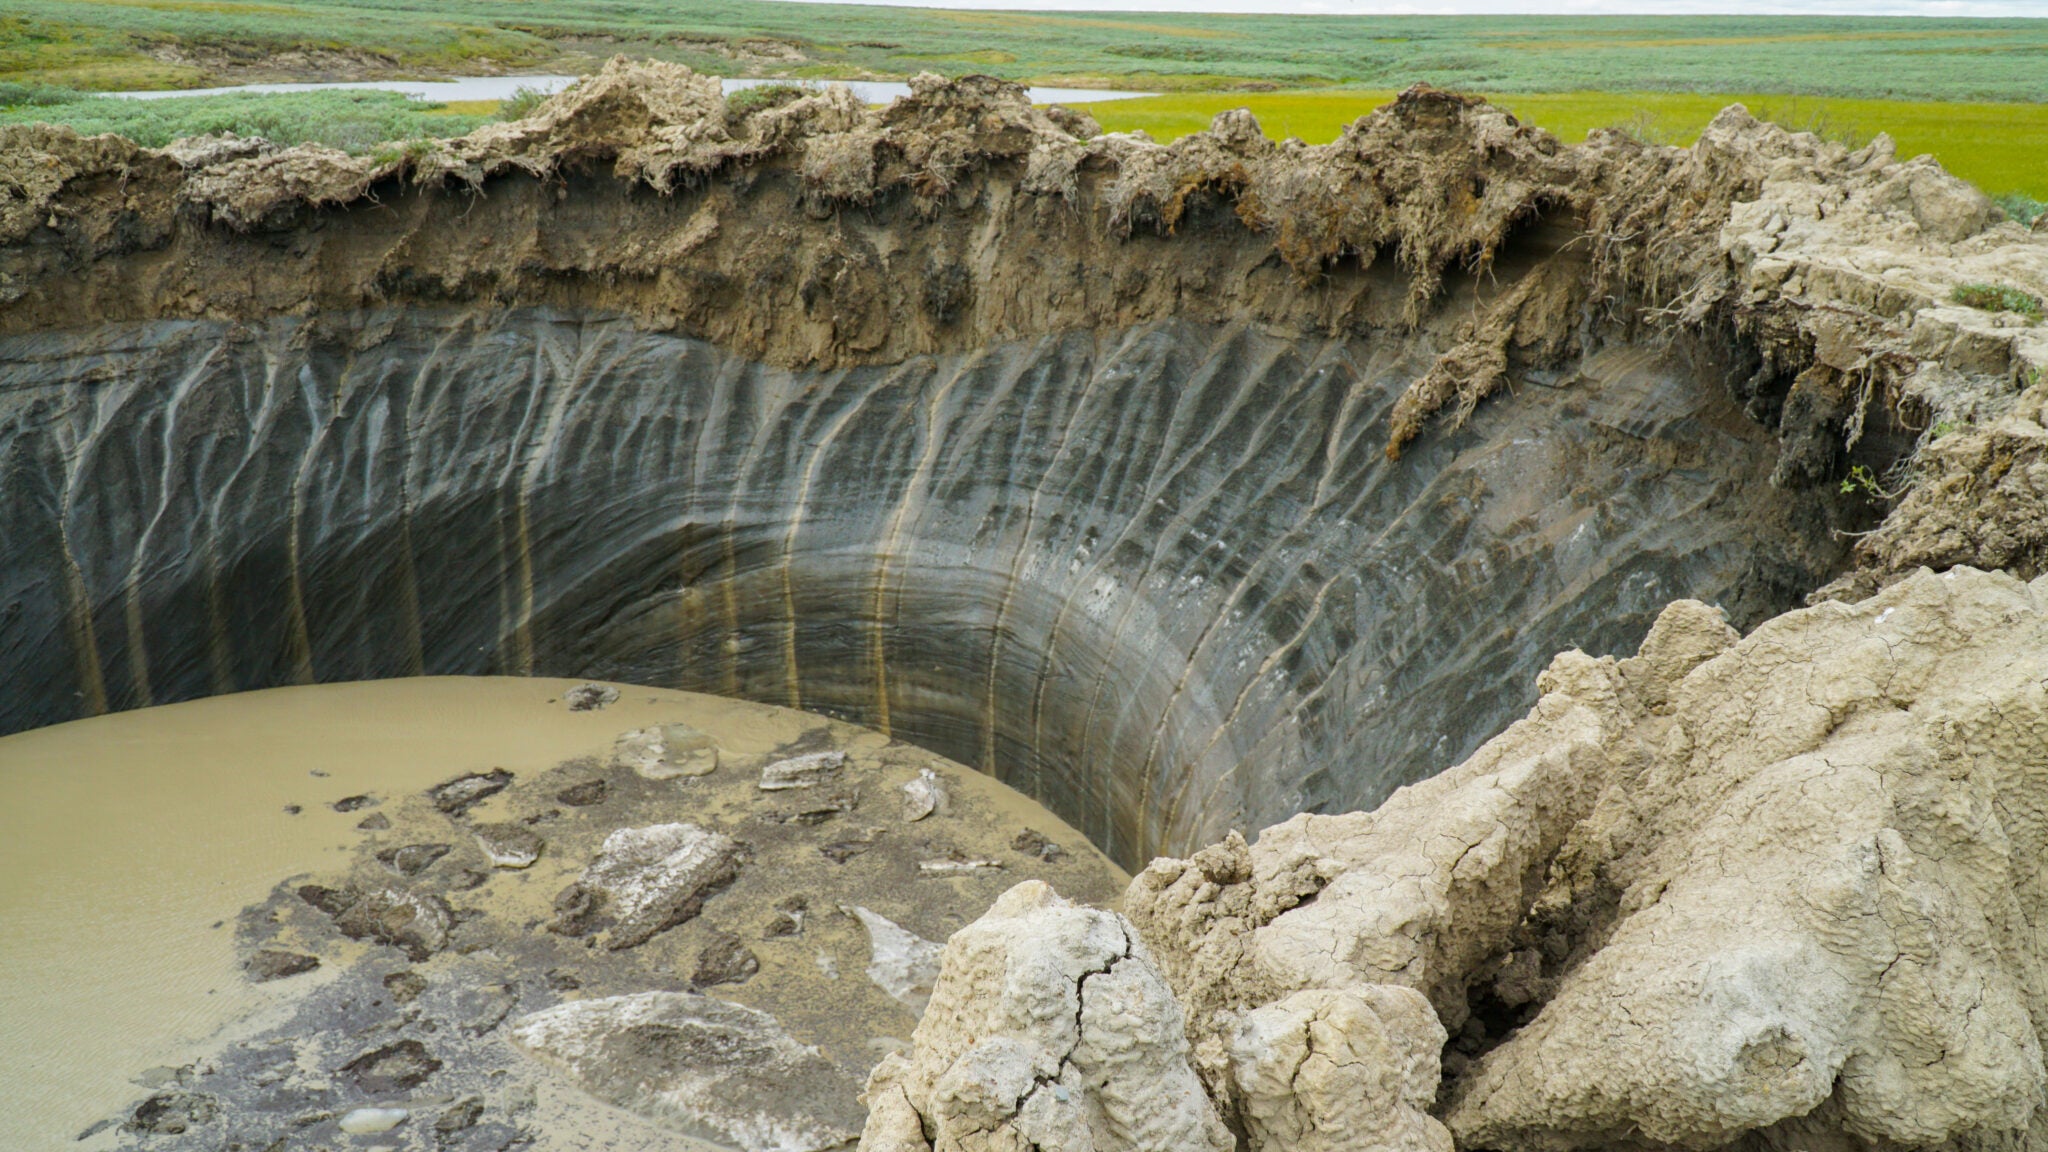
[(465, 88)]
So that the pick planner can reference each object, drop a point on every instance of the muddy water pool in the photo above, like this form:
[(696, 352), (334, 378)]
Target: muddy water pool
[(130, 843)]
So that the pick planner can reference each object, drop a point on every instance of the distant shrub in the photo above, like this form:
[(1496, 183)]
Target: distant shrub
[(1645, 127), (13, 95), (1997, 298), (521, 103), (1797, 115)]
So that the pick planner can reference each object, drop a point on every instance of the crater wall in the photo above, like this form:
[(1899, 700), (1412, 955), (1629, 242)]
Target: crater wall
[(1185, 487), (1164, 579)]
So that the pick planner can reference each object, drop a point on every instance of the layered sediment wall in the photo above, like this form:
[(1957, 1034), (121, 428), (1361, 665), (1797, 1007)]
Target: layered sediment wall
[(1185, 488), (1165, 579)]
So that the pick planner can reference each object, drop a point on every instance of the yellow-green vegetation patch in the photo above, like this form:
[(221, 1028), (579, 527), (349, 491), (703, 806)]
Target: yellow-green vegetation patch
[(1093, 24), (119, 74), (1186, 83), (971, 56), (122, 45), (229, 7), (2003, 148), (1317, 117), (58, 48)]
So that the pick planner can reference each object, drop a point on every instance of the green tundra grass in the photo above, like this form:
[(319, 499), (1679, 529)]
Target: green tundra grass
[(188, 43), (357, 121)]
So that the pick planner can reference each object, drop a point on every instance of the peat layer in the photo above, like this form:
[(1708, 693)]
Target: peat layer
[(1185, 488)]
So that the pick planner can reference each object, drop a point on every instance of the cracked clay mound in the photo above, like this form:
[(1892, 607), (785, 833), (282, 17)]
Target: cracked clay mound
[(1774, 891), (1779, 890)]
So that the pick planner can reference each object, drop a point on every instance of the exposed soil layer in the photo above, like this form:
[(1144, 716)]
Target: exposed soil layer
[(1184, 487), (1165, 580)]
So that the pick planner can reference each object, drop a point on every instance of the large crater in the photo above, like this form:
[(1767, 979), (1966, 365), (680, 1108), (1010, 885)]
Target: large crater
[(1129, 538), (1163, 579)]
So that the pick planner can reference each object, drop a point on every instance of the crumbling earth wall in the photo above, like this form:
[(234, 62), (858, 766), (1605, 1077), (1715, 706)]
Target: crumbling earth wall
[(817, 231), (1771, 891)]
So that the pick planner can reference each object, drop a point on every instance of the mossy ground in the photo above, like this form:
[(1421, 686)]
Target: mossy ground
[(166, 43), (355, 121)]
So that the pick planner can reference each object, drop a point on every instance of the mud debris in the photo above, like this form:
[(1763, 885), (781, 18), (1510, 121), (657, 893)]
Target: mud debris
[(667, 752), (276, 964), (806, 771), (724, 961), (394, 1068), (923, 796), (513, 846), (584, 795), (590, 697), (645, 881), (458, 796), (431, 1013)]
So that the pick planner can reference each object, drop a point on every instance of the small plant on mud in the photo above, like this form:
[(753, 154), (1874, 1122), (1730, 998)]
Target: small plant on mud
[(1997, 298), (1864, 482), (2020, 207), (1645, 127), (761, 97), (521, 103), (397, 150)]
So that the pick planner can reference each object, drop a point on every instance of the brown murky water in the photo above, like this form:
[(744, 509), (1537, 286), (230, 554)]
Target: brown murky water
[(128, 844)]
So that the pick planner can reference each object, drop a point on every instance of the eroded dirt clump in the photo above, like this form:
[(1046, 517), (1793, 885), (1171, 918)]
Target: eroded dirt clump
[(1049, 1027)]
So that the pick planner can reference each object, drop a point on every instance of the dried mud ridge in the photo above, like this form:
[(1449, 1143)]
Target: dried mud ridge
[(1763, 886)]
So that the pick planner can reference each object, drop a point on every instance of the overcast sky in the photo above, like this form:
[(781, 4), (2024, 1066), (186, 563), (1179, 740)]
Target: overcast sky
[(2035, 8)]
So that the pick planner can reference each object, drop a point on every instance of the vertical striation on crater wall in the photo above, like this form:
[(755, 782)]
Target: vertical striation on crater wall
[(1069, 455), (1164, 579)]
